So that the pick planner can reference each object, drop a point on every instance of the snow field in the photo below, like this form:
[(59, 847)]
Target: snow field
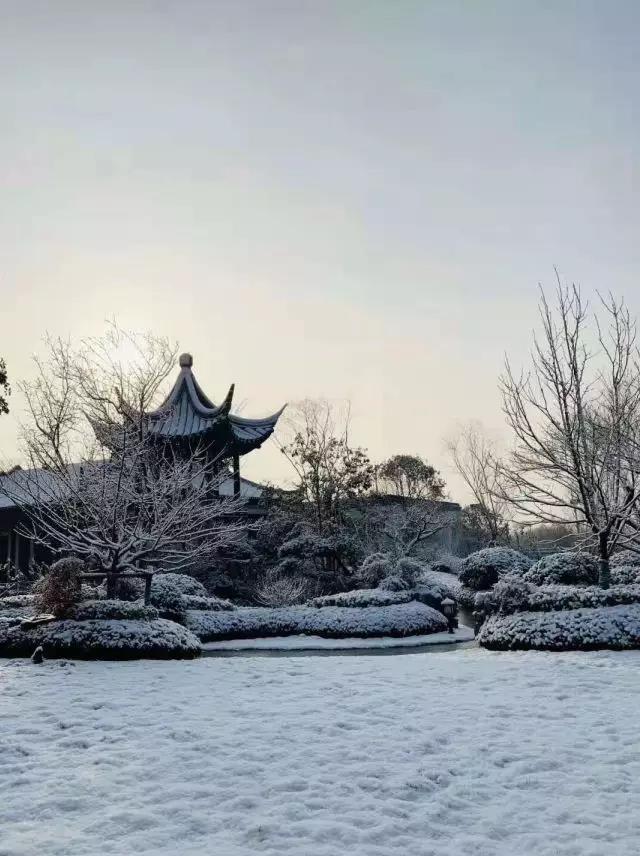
[(429, 755)]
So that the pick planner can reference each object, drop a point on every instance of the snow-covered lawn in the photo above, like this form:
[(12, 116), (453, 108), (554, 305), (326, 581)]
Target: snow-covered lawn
[(467, 752)]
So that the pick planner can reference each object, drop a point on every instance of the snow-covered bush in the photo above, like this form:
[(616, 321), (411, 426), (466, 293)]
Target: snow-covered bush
[(410, 570), (623, 575), (483, 569), (375, 568), (169, 590), (211, 603), (335, 622), (565, 568), (394, 582), (61, 586), (362, 597), (616, 627), (510, 594), (446, 564), (627, 558), (515, 595), (180, 582), (108, 609), (101, 640), (17, 600)]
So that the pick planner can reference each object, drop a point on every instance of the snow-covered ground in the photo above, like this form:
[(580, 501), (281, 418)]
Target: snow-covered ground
[(421, 754)]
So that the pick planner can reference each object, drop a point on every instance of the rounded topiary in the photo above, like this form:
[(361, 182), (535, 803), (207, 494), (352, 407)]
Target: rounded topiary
[(565, 568), (60, 587), (180, 582), (483, 569)]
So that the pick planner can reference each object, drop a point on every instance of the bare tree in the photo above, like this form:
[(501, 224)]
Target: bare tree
[(280, 589), (5, 389), (576, 417), (101, 487), (140, 506), (97, 386), (475, 458), (400, 529)]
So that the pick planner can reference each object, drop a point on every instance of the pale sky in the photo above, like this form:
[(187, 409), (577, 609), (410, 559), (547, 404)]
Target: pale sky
[(341, 199)]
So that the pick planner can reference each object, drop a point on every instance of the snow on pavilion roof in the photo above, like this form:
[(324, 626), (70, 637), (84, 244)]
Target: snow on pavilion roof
[(188, 413)]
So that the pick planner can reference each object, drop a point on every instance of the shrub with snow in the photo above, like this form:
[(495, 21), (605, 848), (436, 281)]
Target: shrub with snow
[(516, 595), (363, 597), (565, 568), (109, 609), (625, 575), (446, 564), (375, 568), (17, 600), (210, 602), (101, 640), (394, 582), (60, 587), (334, 622), (483, 569), (616, 627), (171, 593), (626, 558), (510, 594)]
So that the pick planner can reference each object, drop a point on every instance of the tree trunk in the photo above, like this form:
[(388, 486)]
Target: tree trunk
[(112, 585), (604, 571)]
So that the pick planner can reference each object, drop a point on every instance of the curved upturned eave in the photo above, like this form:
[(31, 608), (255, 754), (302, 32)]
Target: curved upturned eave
[(186, 383), (252, 433)]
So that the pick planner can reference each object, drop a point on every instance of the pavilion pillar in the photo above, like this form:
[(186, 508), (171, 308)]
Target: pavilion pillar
[(236, 474)]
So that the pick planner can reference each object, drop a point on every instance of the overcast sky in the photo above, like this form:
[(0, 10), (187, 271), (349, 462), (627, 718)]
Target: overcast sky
[(343, 199)]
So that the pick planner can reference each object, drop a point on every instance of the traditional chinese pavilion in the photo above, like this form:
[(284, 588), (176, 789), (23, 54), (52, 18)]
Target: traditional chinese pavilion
[(189, 418)]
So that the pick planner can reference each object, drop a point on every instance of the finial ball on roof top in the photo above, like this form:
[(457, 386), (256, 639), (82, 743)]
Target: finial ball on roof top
[(186, 361)]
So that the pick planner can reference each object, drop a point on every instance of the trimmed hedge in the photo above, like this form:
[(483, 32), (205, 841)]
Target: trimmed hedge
[(361, 598), (614, 627), (513, 595), (332, 622), (101, 640), (108, 609)]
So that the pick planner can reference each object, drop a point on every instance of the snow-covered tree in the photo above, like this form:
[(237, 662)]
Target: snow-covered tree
[(576, 420), (5, 389), (139, 506), (410, 477), (117, 499), (399, 529), (329, 471), (475, 457)]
